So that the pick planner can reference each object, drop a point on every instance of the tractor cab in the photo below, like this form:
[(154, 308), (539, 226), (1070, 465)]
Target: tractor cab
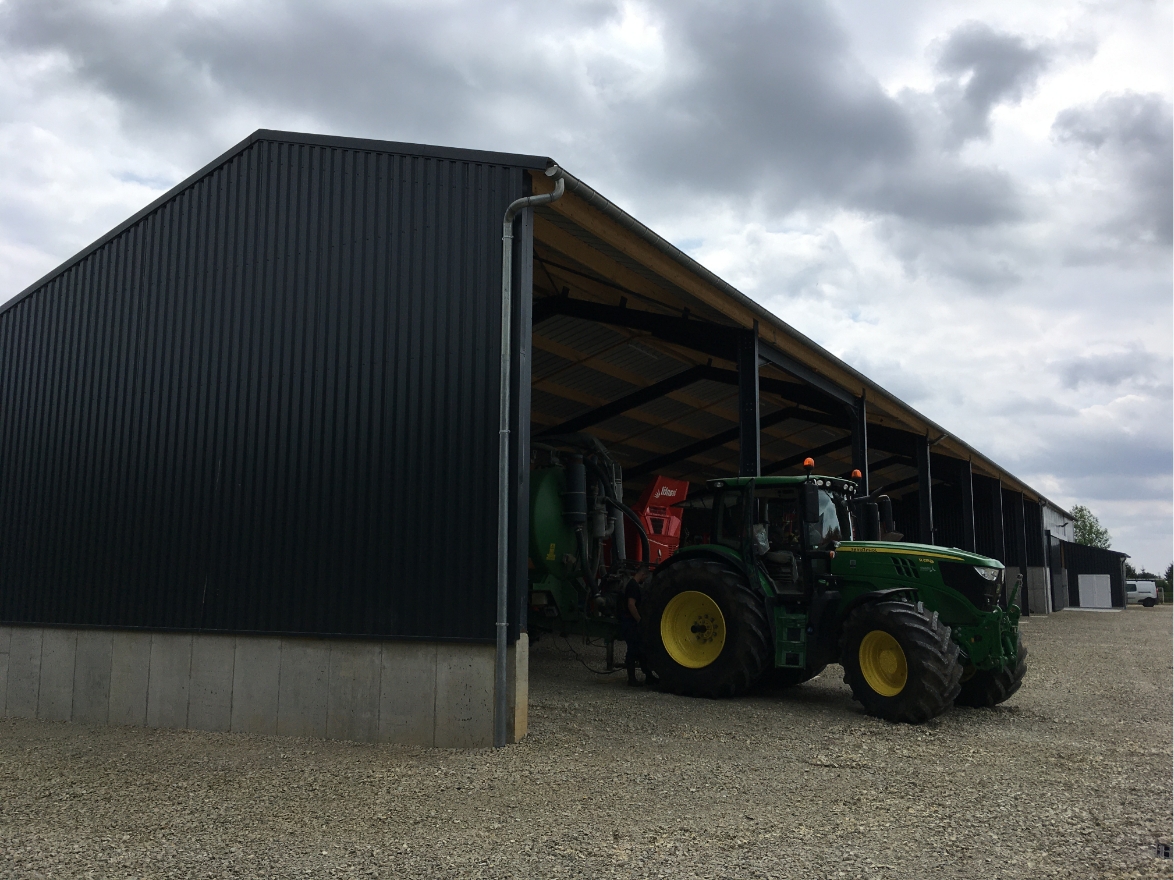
[(787, 527)]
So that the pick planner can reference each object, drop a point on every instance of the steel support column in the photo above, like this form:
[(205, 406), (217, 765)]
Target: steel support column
[(966, 490), (999, 515), (749, 437), (924, 493), (1021, 551), (860, 441)]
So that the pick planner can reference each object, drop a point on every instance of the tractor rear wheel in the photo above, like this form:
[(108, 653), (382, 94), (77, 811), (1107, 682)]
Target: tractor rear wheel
[(989, 687), (705, 630), (900, 661)]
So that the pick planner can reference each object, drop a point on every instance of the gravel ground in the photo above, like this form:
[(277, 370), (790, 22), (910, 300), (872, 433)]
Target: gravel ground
[(1069, 778)]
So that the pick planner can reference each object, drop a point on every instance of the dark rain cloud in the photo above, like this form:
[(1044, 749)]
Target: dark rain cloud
[(769, 97), (769, 103), (773, 102)]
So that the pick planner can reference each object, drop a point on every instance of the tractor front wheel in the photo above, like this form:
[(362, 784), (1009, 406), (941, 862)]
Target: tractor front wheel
[(989, 687), (705, 630), (900, 661)]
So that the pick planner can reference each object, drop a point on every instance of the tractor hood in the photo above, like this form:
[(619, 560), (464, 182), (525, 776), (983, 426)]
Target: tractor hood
[(929, 551)]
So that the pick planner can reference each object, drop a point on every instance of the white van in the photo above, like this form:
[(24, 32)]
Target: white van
[(1141, 593)]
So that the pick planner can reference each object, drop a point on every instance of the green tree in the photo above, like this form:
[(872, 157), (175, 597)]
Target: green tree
[(1089, 530), (1139, 574), (1164, 580)]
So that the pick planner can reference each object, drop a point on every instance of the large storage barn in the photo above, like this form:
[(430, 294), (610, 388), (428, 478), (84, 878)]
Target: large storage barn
[(248, 439)]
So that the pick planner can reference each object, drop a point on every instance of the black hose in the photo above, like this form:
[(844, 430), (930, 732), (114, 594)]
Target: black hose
[(631, 514), (610, 495)]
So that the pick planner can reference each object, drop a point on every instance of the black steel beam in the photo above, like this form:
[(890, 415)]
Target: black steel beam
[(892, 460), (997, 489), (966, 488), (899, 484), (860, 442), (630, 401), (719, 340), (792, 367), (790, 391), (924, 493), (893, 440), (652, 464), (1021, 550), (749, 435), (792, 460)]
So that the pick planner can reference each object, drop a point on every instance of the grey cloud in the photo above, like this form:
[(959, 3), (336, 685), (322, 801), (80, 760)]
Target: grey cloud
[(942, 194), (984, 68), (773, 101), (362, 68), (1130, 136), (1135, 366), (772, 95), (769, 102)]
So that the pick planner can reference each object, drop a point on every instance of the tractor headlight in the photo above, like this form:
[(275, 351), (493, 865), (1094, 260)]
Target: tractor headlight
[(991, 574)]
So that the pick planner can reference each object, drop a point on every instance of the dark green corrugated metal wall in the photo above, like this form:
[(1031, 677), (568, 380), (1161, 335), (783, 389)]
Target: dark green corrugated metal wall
[(268, 404)]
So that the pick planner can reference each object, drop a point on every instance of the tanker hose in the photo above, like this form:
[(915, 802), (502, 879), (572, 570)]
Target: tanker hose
[(609, 493), (631, 514), (585, 557)]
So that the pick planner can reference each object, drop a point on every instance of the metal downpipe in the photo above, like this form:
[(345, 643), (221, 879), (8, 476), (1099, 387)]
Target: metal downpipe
[(500, 676)]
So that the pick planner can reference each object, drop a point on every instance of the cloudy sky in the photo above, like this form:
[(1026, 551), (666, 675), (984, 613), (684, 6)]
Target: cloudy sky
[(971, 202)]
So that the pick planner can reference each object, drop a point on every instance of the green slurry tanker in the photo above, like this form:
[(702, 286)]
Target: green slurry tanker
[(770, 585)]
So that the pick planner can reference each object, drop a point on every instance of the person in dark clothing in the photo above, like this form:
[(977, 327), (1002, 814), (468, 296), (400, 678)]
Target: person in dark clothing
[(630, 626)]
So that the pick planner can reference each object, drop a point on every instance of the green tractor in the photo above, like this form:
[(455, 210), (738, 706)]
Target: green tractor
[(771, 586)]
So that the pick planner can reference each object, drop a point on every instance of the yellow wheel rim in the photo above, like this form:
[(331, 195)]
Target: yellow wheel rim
[(693, 629), (883, 663)]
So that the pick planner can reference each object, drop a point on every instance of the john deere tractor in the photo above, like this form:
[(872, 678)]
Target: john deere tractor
[(779, 588), (773, 586)]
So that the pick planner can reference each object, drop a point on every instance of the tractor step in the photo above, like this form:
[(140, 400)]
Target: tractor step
[(790, 640)]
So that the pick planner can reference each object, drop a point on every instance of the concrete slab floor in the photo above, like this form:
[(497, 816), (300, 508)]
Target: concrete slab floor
[(1069, 778)]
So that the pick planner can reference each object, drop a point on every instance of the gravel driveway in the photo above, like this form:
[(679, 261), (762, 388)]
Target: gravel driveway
[(1070, 778)]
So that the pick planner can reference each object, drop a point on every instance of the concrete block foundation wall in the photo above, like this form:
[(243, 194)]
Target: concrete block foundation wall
[(415, 693)]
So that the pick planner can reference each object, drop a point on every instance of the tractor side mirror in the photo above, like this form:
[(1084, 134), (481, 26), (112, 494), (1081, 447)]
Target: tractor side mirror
[(885, 508), (810, 503), (872, 522)]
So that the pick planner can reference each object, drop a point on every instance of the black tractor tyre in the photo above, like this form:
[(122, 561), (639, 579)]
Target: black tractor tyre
[(781, 677), (933, 673), (989, 687), (748, 647)]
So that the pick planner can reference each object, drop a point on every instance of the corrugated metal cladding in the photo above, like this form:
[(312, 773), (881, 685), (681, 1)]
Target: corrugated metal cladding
[(988, 518), (267, 404), (1036, 554)]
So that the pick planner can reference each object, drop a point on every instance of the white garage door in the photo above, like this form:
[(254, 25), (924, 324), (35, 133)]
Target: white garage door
[(1095, 591)]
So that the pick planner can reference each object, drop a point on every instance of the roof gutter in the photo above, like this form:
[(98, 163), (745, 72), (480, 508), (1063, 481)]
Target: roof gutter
[(500, 677)]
